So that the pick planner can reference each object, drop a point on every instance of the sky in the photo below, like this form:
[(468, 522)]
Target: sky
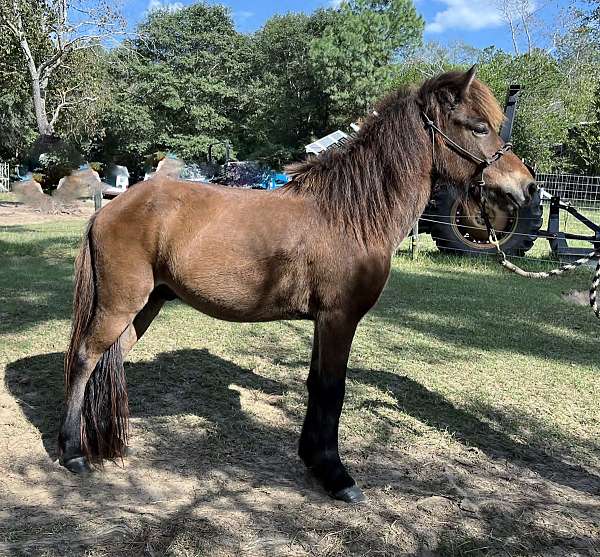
[(475, 22)]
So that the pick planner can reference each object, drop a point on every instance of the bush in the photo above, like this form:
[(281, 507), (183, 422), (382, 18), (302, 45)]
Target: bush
[(583, 148), (53, 158)]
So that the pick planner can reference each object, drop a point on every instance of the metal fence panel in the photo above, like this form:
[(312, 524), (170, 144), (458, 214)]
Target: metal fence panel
[(581, 191), (4, 177)]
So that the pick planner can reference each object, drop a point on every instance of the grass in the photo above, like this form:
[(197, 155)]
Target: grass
[(468, 388)]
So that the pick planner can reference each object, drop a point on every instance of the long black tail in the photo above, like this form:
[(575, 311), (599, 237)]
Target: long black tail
[(105, 413), (105, 410)]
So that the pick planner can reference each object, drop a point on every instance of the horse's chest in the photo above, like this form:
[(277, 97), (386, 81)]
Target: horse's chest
[(354, 285)]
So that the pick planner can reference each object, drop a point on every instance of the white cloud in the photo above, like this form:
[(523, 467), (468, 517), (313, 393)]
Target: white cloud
[(242, 15), (472, 15), (154, 5), (335, 4)]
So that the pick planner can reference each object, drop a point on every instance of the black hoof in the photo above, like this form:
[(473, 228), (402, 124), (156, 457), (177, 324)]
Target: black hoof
[(78, 465), (351, 495)]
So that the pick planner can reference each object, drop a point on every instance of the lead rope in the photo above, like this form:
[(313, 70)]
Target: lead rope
[(493, 239)]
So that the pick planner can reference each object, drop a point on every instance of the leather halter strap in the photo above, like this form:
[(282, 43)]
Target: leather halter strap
[(482, 164)]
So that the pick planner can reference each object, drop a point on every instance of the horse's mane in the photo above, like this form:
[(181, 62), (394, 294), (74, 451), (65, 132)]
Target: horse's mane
[(363, 182)]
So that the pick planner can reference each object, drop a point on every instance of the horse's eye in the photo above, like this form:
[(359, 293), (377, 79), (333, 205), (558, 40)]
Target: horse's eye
[(480, 130)]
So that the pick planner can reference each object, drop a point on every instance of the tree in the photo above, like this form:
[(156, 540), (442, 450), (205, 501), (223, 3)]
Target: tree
[(355, 55), (557, 93), (51, 35), (17, 123), (593, 18), (583, 148), (518, 15), (180, 86), (559, 86), (288, 107), (431, 59)]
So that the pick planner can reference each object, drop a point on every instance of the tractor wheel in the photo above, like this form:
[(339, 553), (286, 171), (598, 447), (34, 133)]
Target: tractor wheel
[(460, 228)]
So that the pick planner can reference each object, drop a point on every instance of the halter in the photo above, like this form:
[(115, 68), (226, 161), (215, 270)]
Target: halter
[(482, 164)]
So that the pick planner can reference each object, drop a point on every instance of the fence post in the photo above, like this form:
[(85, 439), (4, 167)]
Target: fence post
[(4, 177), (414, 241), (98, 199)]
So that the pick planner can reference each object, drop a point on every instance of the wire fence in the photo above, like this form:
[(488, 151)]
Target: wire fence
[(4, 177), (582, 192)]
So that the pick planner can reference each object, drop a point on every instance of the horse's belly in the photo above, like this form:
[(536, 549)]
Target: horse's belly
[(226, 285), (241, 313), (232, 303)]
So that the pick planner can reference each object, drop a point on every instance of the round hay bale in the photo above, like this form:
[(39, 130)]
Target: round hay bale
[(79, 184)]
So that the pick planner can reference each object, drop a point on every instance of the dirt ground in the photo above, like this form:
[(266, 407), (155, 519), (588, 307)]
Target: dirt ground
[(14, 213), (227, 482), (213, 467)]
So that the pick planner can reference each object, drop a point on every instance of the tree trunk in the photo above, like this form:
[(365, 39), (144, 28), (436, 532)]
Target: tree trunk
[(513, 34), (39, 105), (39, 83)]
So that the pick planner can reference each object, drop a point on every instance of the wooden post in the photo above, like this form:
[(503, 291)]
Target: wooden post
[(414, 241), (98, 199)]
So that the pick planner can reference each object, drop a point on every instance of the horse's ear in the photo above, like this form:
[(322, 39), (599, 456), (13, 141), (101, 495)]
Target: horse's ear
[(450, 88), (466, 81)]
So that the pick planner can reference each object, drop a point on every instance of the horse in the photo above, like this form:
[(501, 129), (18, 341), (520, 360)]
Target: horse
[(317, 249)]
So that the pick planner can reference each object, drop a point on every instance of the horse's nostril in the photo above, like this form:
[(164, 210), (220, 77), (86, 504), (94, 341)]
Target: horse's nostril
[(532, 188)]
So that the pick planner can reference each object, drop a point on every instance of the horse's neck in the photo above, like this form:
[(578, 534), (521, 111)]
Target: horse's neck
[(377, 187), (411, 201)]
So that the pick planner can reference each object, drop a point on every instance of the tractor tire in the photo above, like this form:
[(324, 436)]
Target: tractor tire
[(459, 228)]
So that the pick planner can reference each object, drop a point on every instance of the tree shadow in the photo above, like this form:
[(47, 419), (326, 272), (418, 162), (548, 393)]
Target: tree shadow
[(196, 382), (434, 410), (489, 312), (190, 408), (35, 279), (177, 383)]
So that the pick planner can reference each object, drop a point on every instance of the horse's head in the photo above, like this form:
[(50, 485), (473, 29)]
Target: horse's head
[(464, 119)]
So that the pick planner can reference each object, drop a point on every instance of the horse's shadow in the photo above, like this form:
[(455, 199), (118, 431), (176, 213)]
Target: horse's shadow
[(177, 383), (198, 383)]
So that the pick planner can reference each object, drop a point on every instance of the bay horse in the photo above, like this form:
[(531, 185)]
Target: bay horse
[(317, 249)]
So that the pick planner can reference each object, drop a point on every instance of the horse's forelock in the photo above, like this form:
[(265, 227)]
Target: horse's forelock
[(485, 104), (449, 86)]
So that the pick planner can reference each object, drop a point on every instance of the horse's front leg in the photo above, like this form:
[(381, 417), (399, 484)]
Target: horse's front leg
[(326, 388)]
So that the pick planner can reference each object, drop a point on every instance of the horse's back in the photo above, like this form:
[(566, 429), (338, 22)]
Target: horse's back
[(163, 208)]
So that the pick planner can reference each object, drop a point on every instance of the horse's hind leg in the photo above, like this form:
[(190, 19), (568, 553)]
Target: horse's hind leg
[(144, 318), (326, 388), (99, 354), (70, 439)]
